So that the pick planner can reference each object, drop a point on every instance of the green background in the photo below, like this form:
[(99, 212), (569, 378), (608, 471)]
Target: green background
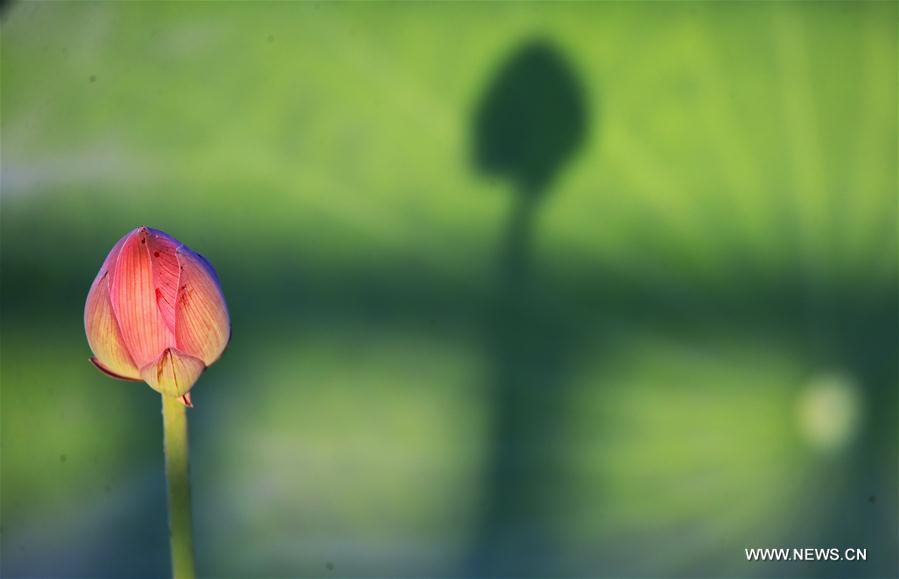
[(702, 359)]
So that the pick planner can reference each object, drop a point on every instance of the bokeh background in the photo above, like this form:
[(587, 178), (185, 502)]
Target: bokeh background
[(517, 289)]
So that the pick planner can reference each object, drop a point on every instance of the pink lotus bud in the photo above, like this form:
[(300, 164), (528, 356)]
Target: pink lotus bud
[(156, 313)]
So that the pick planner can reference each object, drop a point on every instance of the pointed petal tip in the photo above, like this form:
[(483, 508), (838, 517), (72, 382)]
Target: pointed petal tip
[(173, 373), (132, 233), (187, 401)]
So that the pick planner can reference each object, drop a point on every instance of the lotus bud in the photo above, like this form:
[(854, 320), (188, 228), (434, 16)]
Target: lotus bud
[(156, 313)]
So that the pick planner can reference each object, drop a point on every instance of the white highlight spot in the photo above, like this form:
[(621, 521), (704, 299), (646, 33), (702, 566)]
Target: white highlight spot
[(829, 411)]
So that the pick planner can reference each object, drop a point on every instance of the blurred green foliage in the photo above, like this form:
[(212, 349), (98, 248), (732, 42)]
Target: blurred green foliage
[(723, 243)]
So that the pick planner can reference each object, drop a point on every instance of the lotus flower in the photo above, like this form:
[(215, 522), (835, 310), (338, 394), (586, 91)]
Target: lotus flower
[(156, 313)]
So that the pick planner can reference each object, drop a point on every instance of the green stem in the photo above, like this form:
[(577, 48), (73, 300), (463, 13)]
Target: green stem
[(177, 472)]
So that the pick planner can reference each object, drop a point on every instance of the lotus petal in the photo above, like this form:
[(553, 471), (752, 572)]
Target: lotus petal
[(134, 300), (203, 327), (173, 373), (162, 250), (103, 333)]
